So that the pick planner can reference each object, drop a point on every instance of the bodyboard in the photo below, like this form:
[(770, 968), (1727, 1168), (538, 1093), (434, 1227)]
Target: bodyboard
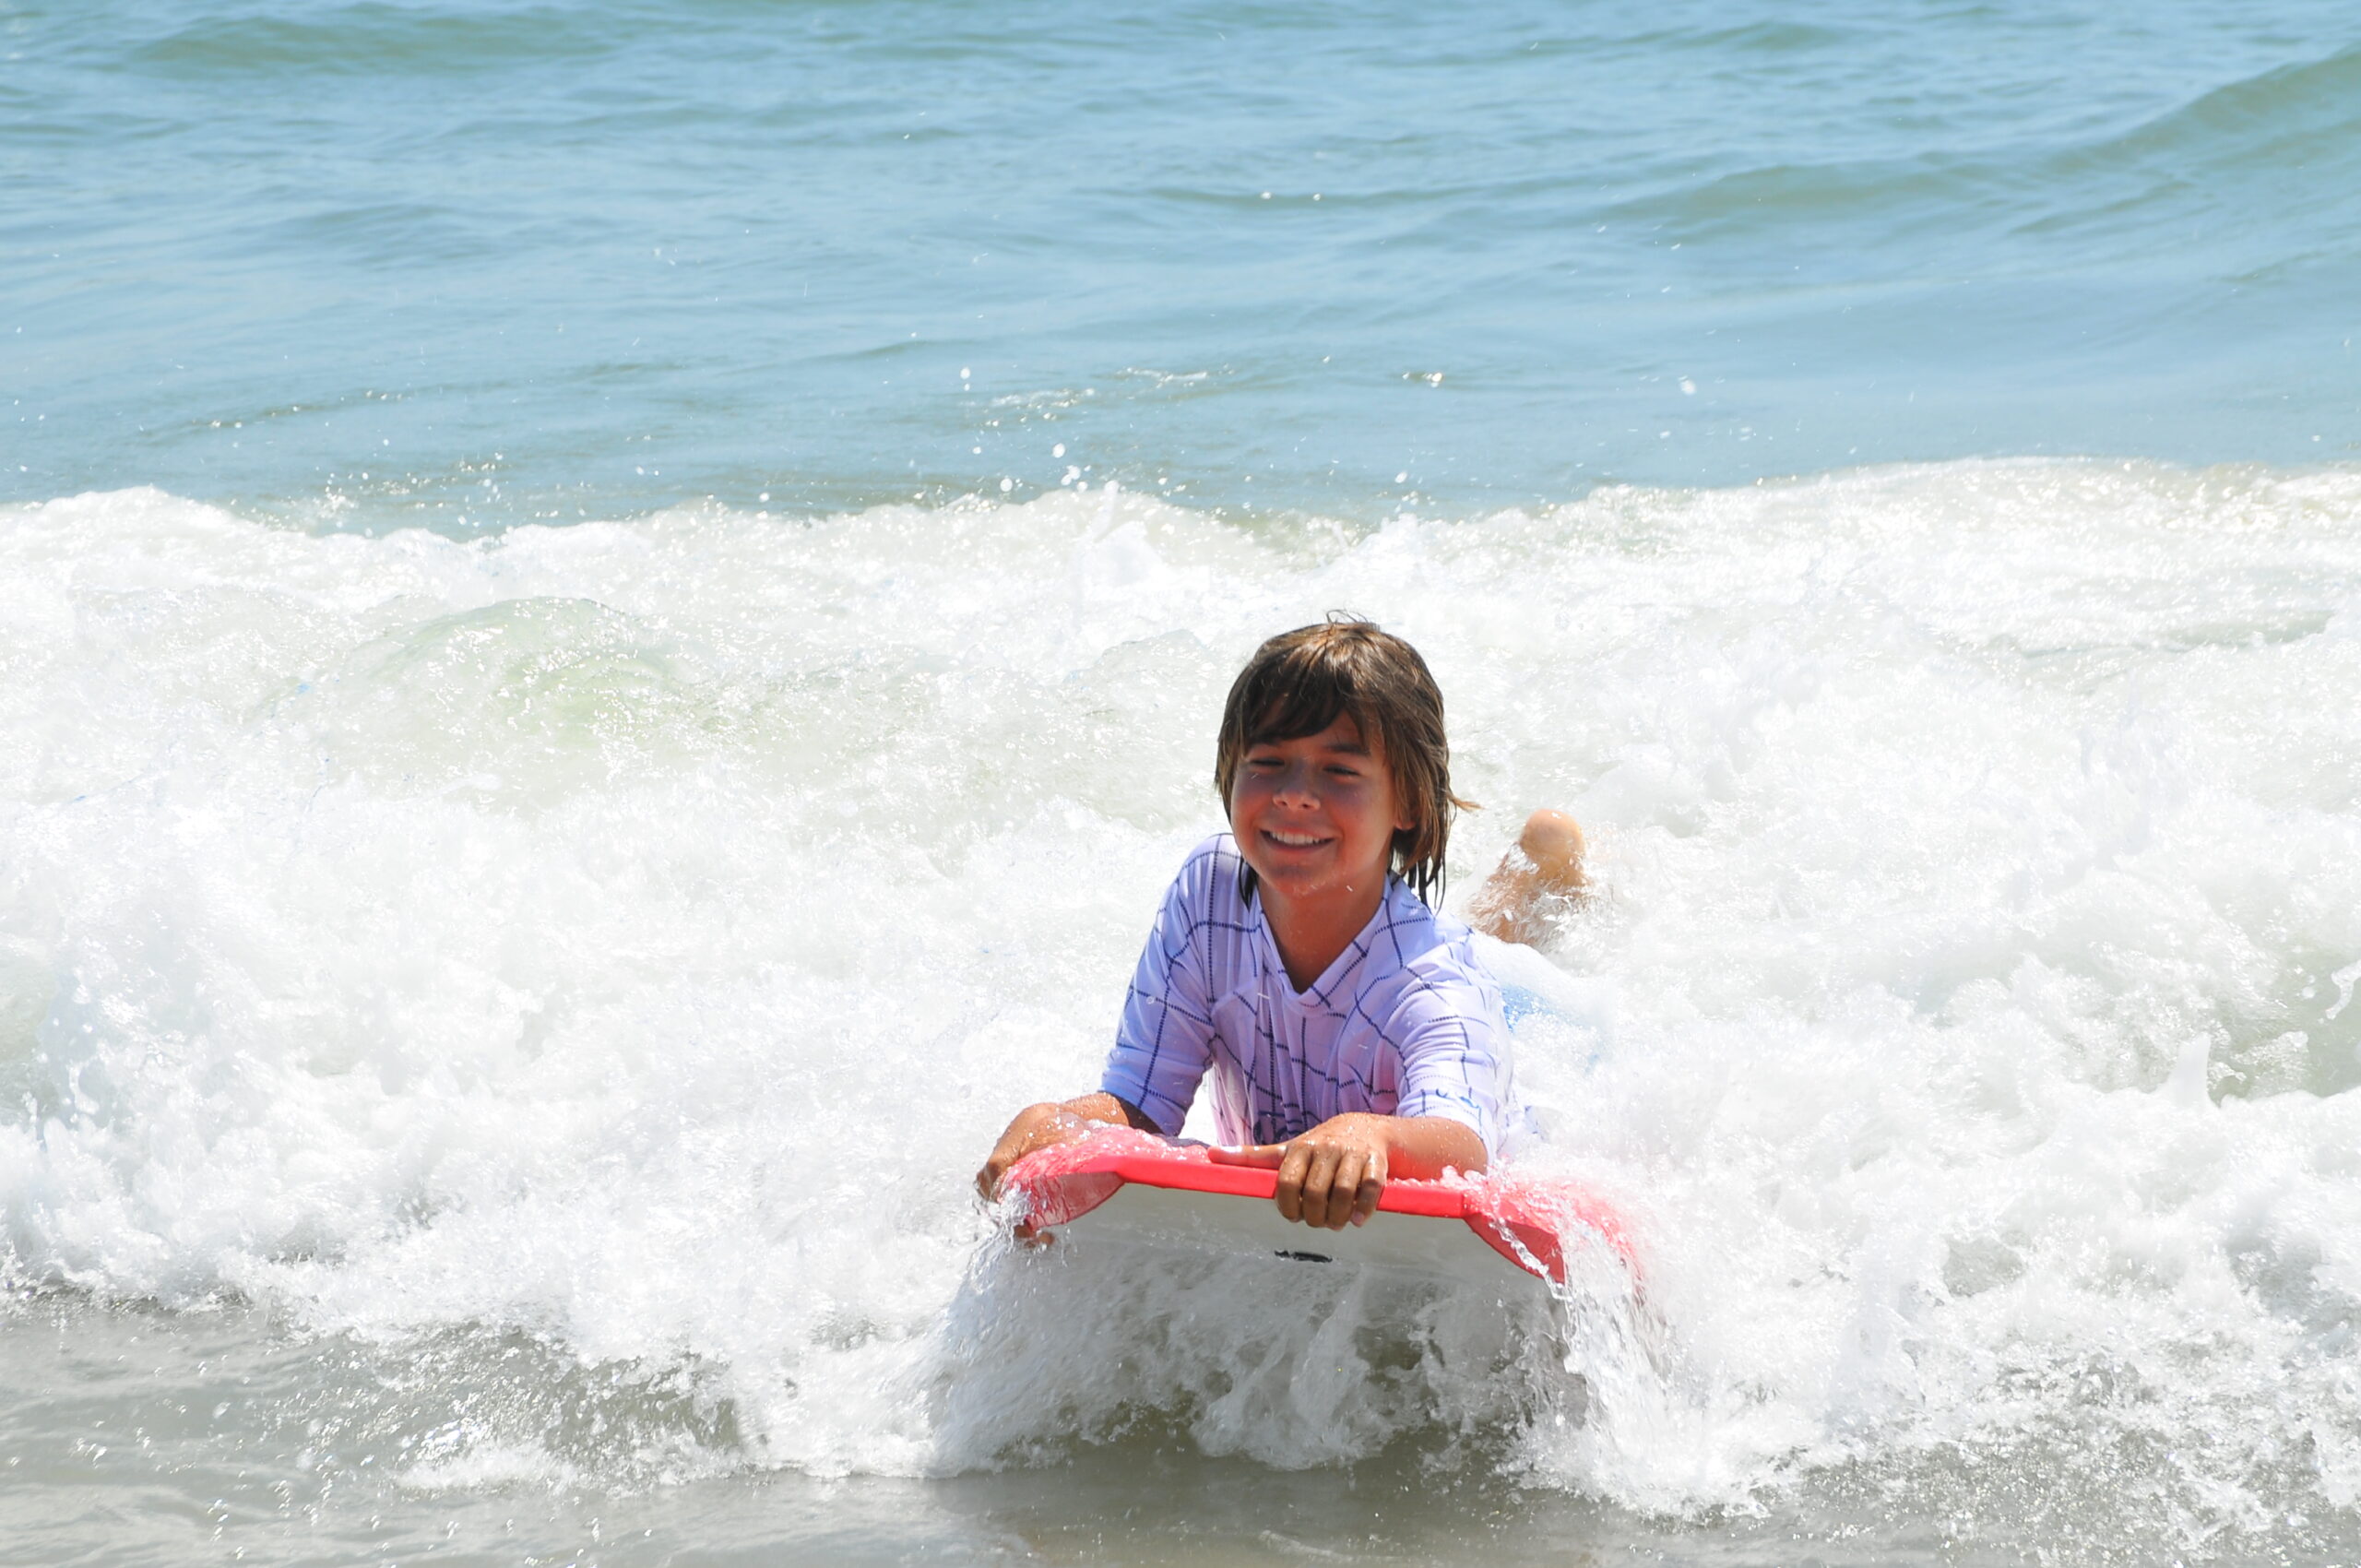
[(1134, 1187)]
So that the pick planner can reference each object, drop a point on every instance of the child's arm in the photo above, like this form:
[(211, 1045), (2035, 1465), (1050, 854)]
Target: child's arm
[(1333, 1175), (1046, 1125)]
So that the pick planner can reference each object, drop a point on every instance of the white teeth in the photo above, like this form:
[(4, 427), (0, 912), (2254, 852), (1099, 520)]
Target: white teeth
[(1293, 840)]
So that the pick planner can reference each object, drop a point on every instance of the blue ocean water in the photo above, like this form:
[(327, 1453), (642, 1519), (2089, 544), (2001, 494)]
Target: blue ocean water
[(500, 261), (497, 1021)]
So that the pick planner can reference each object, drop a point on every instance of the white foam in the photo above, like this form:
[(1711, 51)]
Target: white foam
[(634, 932)]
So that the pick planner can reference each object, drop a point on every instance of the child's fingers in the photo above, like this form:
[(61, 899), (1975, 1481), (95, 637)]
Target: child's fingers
[(1293, 1171), (1373, 1188), (1319, 1178), (988, 1179), (1342, 1188), (1264, 1157)]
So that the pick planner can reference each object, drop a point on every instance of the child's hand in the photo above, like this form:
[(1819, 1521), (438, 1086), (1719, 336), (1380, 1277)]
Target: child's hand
[(1331, 1176), (1334, 1174), (1035, 1127), (1047, 1126)]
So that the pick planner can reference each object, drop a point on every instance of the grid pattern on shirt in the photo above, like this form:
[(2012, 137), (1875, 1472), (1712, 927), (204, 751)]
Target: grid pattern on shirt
[(1407, 1022)]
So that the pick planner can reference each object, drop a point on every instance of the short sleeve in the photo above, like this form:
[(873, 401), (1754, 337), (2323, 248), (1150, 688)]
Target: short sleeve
[(1164, 1041), (1455, 1059)]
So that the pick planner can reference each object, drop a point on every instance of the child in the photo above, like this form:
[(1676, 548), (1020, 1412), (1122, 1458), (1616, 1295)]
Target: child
[(1351, 1032)]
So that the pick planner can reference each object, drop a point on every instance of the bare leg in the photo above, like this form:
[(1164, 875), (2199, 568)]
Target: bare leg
[(1545, 867)]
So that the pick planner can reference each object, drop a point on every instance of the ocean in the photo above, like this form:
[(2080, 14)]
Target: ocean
[(611, 624)]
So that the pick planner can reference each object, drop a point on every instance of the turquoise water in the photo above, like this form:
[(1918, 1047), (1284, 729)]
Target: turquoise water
[(503, 261), (497, 1021)]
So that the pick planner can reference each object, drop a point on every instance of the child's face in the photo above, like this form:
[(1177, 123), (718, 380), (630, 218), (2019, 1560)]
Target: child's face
[(1316, 815)]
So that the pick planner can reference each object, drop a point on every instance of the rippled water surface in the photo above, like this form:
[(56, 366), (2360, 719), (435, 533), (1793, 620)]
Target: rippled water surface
[(502, 261), (610, 619)]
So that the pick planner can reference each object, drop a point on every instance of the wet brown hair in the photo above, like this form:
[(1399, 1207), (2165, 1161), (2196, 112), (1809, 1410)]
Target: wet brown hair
[(1301, 681)]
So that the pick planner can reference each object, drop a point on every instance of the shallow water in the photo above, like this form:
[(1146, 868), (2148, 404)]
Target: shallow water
[(539, 975), (532, 862)]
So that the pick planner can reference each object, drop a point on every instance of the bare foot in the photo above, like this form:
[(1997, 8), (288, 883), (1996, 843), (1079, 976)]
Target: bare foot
[(1545, 868)]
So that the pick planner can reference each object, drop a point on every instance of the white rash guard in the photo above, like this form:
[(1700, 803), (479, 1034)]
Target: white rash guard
[(1407, 1022)]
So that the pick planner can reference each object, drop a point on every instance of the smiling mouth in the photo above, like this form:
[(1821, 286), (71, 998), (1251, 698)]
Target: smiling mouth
[(1293, 840)]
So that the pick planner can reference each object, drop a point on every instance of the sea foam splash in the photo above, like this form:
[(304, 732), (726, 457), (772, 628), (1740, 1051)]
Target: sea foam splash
[(629, 936)]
